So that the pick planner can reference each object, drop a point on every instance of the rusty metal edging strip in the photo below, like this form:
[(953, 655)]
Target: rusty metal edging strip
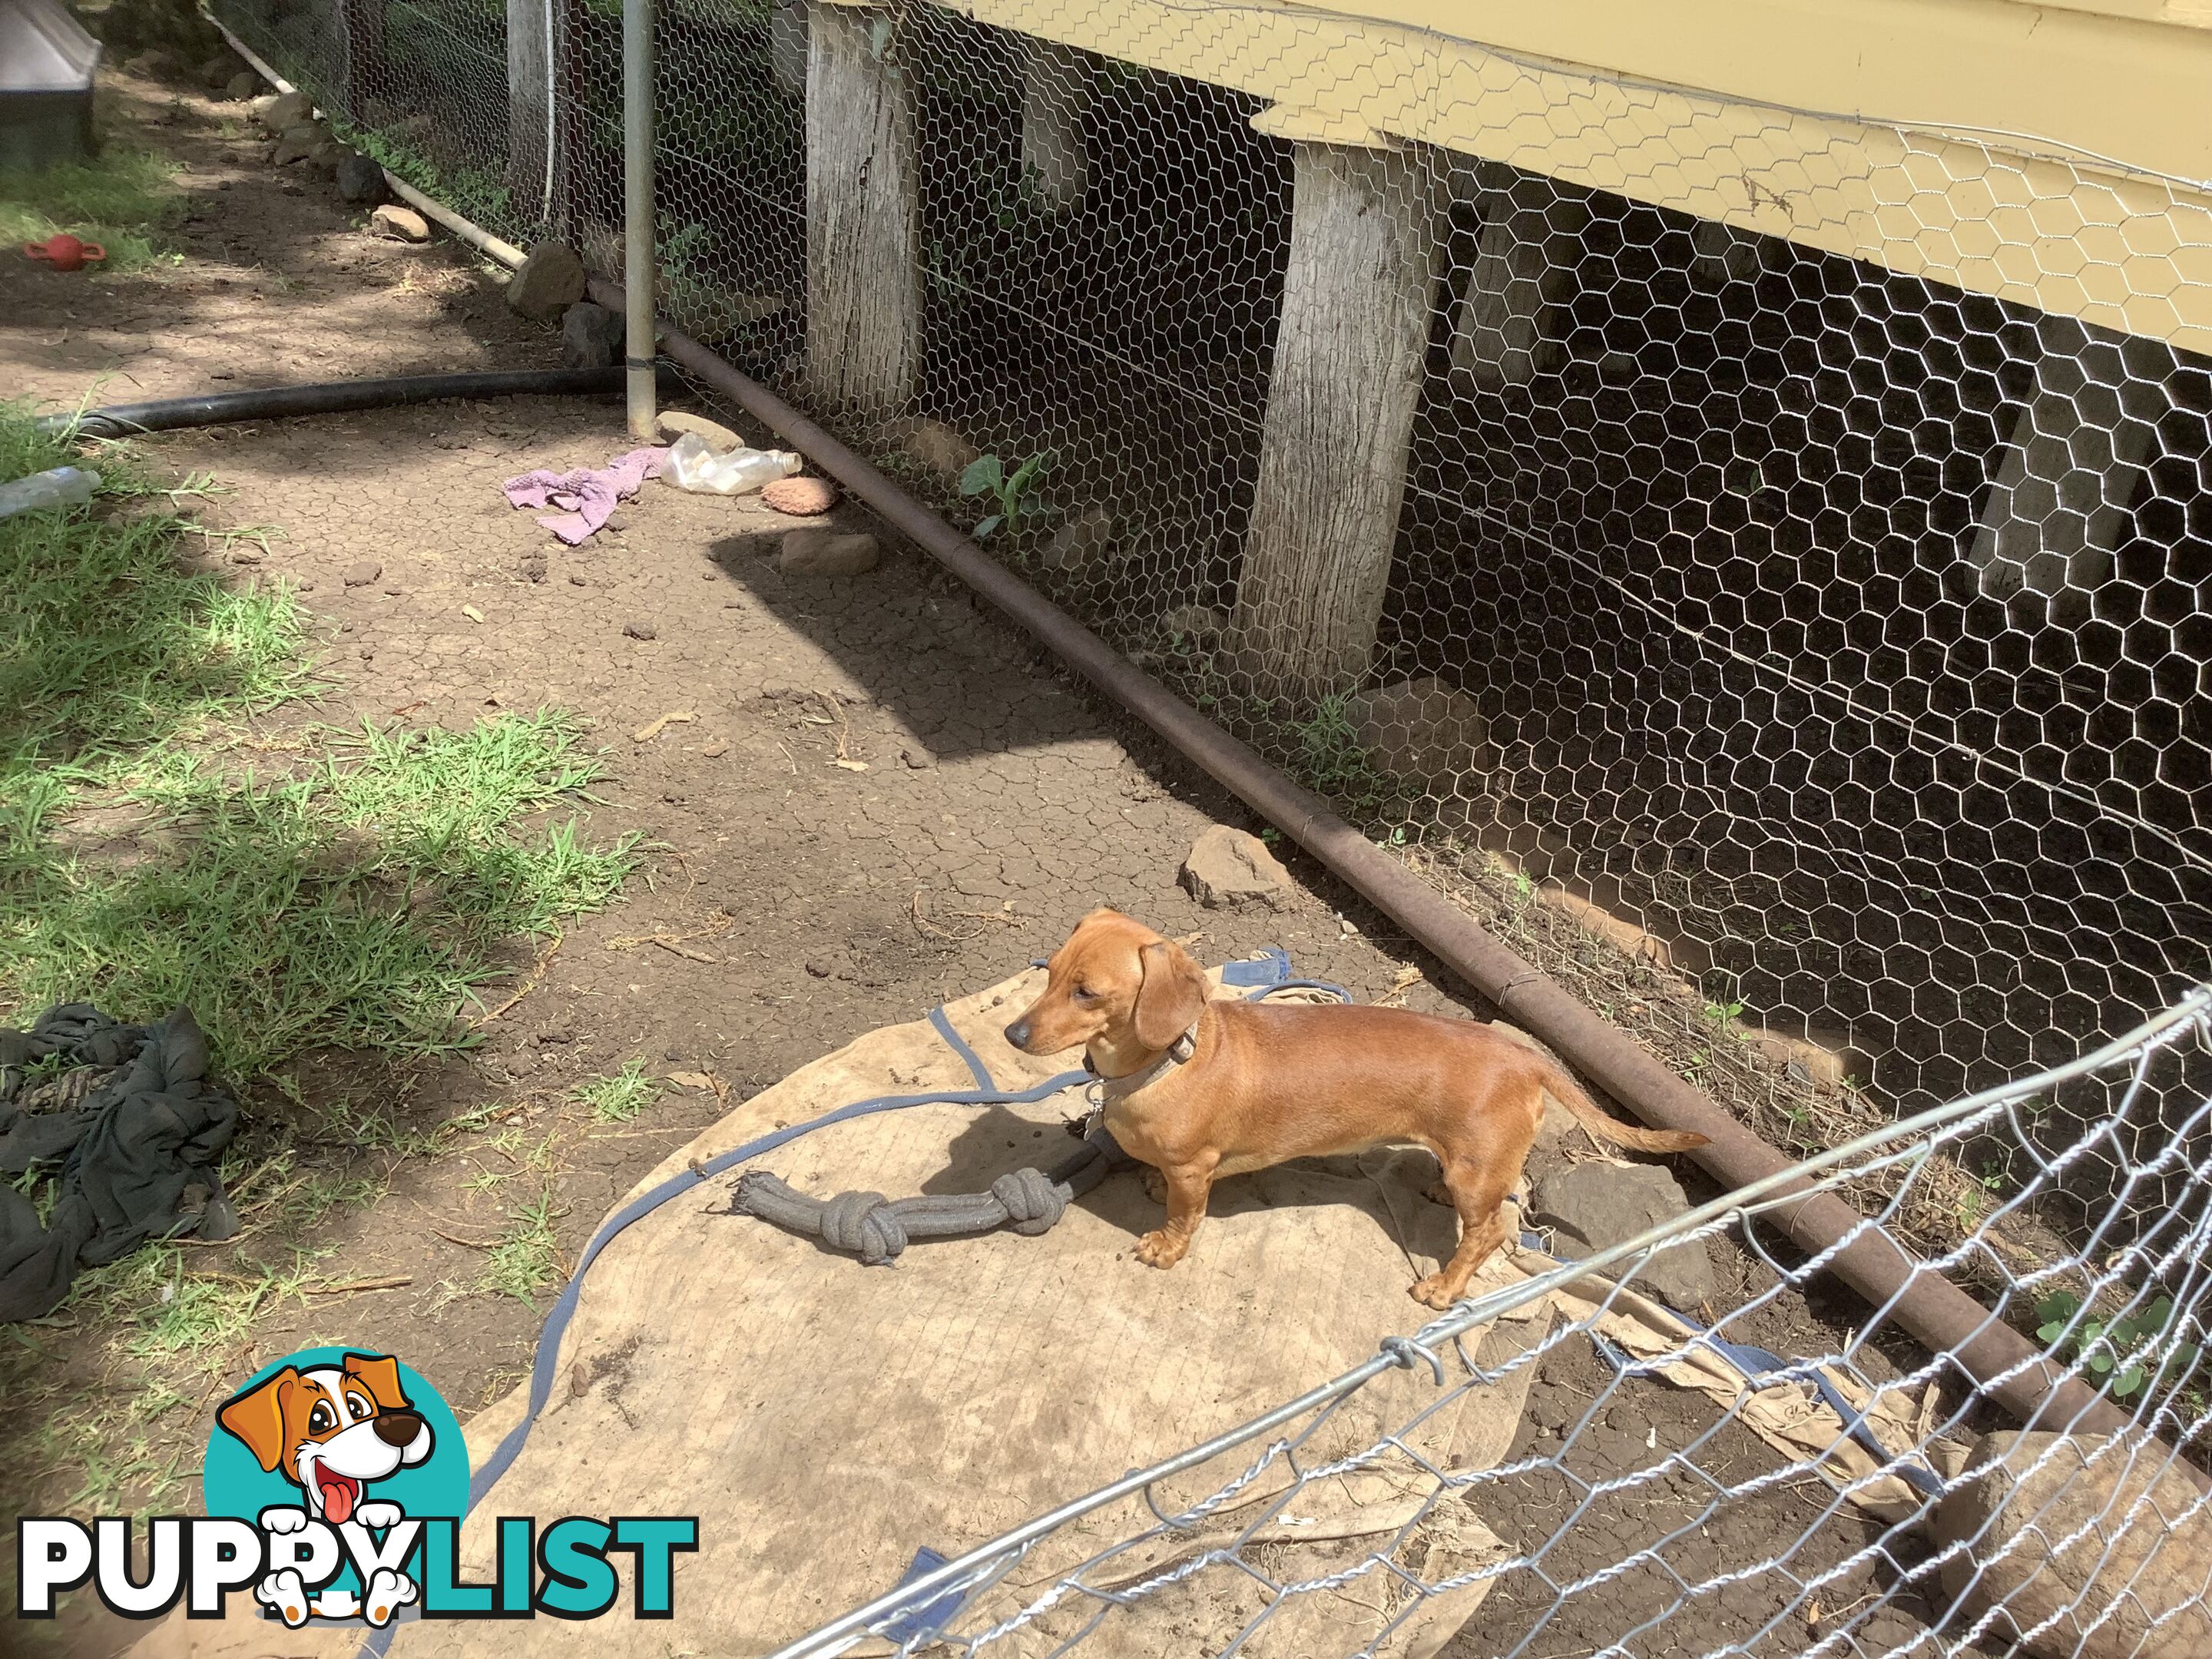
[(2011, 1369)]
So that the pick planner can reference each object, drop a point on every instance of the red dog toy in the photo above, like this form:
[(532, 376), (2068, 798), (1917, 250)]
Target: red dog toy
[(65, 253)]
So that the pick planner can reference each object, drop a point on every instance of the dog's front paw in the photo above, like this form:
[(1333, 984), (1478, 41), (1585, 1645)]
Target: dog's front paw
[(1156, 1185), (379, 1514), (388, 1592), (1434, 1291), (1161, 1250), (284, 1594), (281, 1519)]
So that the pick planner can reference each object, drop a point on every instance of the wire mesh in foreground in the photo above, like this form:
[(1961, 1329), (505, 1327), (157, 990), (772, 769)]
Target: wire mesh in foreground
[(1564, 1466)]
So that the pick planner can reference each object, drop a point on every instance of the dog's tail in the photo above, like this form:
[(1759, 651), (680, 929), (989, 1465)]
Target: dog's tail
[(1594, 1117)]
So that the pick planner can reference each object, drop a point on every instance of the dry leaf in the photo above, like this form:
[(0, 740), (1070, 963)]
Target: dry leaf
[(851, 765), (698, 1080), (647, 733), (472, 613), (715, 750)]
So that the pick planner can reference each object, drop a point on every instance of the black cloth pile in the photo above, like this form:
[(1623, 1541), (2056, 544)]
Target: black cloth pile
[(136, 1129)]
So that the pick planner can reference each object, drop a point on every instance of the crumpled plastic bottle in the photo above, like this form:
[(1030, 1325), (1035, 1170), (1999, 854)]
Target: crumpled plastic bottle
[(60, 486), (692, 466)]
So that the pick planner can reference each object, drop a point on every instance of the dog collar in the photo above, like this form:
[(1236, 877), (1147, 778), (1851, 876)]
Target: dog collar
[(1120, 1088)]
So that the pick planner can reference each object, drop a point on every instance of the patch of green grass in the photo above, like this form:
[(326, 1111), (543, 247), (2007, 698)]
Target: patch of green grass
[(1328, 755), (525, 1260), (356, 904), (123, 199), (619, 1098)]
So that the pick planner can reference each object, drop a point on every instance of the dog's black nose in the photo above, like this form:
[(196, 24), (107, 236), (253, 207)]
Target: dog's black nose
[(1018, 1034), (397, 1428)]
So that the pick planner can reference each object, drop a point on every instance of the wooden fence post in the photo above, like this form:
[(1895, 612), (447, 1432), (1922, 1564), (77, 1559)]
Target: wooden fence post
[(530, 139), (1350, 352), (864, 287)]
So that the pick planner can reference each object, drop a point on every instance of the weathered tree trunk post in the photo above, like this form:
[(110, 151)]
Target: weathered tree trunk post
[(2072, 460), (864, 291), (1507, 332), (529, 104), (1349, 355), (1057, 87)]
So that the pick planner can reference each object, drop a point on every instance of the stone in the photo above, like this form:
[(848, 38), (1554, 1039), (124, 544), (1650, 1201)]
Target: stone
[(550, 280), (361, 180), (1227, 868), (1083, 541), (802, 497), (673, 423), (641, 631), (1822, 1061), (283, 111), (296, 143), (2130, 1582), (240, 86), (1591, 1207), (827, 553), (362, 573), (1199, 624), (399, 224), (1420, 729), (1623, 935), (220, 70), (592, 337), (939, 449)]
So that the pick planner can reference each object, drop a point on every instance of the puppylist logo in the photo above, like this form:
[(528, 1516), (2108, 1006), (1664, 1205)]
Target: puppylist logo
[(335, 1484)]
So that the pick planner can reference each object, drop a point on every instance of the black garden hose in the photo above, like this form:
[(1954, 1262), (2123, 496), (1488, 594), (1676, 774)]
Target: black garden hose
[(329, 398)]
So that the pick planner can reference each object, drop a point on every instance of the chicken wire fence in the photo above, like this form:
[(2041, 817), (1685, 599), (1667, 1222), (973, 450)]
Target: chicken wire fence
[(1804, 661), (1563, 1467)]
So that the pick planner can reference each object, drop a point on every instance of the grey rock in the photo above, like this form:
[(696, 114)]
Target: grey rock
[(399, 224), (219, 71), (283, 111), (547, 282), (362, 573), (1589, 1206), (1083, 541), (939, 448), (240, 86), (1421, 729), (361, 181), (641, 630), (1228, 867), (591, 337), (827, 553), (298, 143), (673, 423)]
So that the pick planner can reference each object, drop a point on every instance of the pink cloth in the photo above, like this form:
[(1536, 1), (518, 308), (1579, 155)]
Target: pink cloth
[(587, 496)]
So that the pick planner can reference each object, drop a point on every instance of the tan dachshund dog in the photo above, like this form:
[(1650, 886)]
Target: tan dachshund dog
[(1201, 1089)]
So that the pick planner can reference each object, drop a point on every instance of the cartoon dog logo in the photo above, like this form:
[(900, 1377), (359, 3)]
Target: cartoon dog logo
[(331, 1430)]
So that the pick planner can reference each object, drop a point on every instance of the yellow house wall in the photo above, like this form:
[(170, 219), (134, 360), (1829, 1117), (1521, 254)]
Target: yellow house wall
[(2054, 155)]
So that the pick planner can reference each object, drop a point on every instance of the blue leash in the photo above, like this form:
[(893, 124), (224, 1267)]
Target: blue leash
[(1271, 972)]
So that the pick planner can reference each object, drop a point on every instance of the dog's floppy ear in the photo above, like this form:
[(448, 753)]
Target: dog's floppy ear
[(1174, 991), (379, 1374), (257, 1417)]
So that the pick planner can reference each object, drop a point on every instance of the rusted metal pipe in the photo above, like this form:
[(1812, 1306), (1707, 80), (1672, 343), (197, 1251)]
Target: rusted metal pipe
[(2008, 1368)]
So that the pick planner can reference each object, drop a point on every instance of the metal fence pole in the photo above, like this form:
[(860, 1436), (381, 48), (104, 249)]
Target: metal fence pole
[(638, 283)]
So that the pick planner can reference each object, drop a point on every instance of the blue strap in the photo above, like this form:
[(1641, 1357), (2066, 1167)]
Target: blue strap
[(959, 1044)]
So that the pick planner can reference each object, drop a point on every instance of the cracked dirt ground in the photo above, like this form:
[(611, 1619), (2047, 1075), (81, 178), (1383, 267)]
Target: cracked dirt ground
[(997, 804), (989, 800)]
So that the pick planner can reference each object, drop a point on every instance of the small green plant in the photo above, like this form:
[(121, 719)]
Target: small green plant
[(1011, 493), (526, 1259), (619, 1098), (2130, 1354)]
